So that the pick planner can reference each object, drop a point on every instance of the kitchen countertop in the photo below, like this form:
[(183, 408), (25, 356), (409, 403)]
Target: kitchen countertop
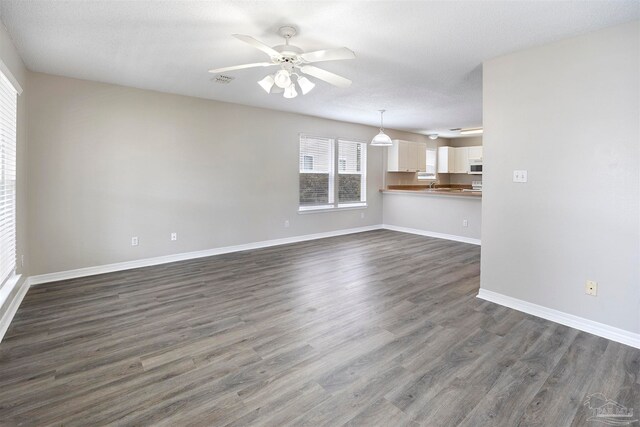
[(452, 190)]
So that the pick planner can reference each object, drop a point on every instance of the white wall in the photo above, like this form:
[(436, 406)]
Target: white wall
[(434, 213), (569, 113), (108, 162)]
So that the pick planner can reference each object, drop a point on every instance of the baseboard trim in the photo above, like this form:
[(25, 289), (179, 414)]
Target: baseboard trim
[(586, 325), (7, 317), (147, 262), (432, 234)]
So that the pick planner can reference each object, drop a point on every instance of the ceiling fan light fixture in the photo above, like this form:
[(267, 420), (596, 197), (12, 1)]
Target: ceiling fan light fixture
[(283, 79), (291, 60), (305, 85), (290, 91), (267, 83), (381, 139)]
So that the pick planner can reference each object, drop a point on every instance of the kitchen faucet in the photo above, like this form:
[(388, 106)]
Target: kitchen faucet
[(433, 184)]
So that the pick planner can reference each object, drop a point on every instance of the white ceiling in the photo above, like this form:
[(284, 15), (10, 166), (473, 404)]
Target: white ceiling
[(420, 60)]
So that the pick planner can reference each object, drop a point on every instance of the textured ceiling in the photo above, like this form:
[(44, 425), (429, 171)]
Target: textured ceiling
[(422, 61)]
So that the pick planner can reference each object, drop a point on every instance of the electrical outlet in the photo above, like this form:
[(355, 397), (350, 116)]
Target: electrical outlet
[(591, 288), (286, 224), (465, 223), (134, 241), (361, 215), (174, 236)]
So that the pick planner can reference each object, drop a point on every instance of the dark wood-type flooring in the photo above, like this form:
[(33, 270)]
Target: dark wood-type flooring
[(377, 328)]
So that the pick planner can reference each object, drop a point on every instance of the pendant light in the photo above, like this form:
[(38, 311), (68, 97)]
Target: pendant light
[(381, 139)]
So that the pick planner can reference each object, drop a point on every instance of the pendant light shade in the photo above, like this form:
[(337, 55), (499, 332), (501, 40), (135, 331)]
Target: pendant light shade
[(381, 139)]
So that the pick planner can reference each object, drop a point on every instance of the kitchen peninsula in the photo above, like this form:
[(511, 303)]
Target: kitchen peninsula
[(450, 211)]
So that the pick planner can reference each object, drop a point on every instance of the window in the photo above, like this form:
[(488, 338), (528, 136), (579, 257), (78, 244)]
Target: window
[(307, 163), (430, 172), (8, 112), (320, 188), (352, 179), (316, 172)]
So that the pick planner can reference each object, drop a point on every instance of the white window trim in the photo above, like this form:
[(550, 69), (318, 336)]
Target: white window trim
[(304, 210), (335, 206)]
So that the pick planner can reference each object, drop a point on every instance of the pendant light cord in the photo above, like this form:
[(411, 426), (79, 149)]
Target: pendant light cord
[(382, 120)]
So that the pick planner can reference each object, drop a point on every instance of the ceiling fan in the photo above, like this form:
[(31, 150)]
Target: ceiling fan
[(293, 62)]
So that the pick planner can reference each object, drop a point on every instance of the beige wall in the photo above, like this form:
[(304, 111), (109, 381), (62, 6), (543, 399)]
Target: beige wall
[(109, 162), (569, 113), (470, 141)]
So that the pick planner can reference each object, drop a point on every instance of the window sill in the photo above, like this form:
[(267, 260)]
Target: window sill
[(312, 210), (7, 287)]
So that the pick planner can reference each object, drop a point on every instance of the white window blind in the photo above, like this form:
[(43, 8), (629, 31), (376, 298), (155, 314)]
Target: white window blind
[(352, 175), (8, 113), (316, 172)]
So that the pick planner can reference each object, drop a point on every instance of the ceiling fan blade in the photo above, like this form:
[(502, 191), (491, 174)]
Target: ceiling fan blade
[(258, 45), (240, 67), (327, 76), (328, 55)]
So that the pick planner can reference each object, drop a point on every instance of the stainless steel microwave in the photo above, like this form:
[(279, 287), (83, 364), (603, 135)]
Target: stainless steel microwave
[(475, 167)]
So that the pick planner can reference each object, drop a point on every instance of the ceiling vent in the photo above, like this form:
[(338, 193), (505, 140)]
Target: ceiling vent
[(222, 79)]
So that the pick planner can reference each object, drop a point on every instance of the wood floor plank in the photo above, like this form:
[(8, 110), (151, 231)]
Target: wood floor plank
[(371, 329), (559, 399)]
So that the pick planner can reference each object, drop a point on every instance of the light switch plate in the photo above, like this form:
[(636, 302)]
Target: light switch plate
[(519, 176)]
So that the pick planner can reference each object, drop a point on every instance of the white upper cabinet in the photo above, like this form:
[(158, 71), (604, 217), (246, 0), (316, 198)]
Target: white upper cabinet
[(407, 156), (446, 159), (475, 153), (456, 159), (461, 160)]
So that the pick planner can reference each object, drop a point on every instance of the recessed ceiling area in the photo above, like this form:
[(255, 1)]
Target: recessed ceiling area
[(421, 61)]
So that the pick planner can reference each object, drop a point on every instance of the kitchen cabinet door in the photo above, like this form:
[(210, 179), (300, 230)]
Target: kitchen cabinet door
[(446, 159), (461, 160), (421, 156), (407, 157), (404, 156), (475, 153)]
